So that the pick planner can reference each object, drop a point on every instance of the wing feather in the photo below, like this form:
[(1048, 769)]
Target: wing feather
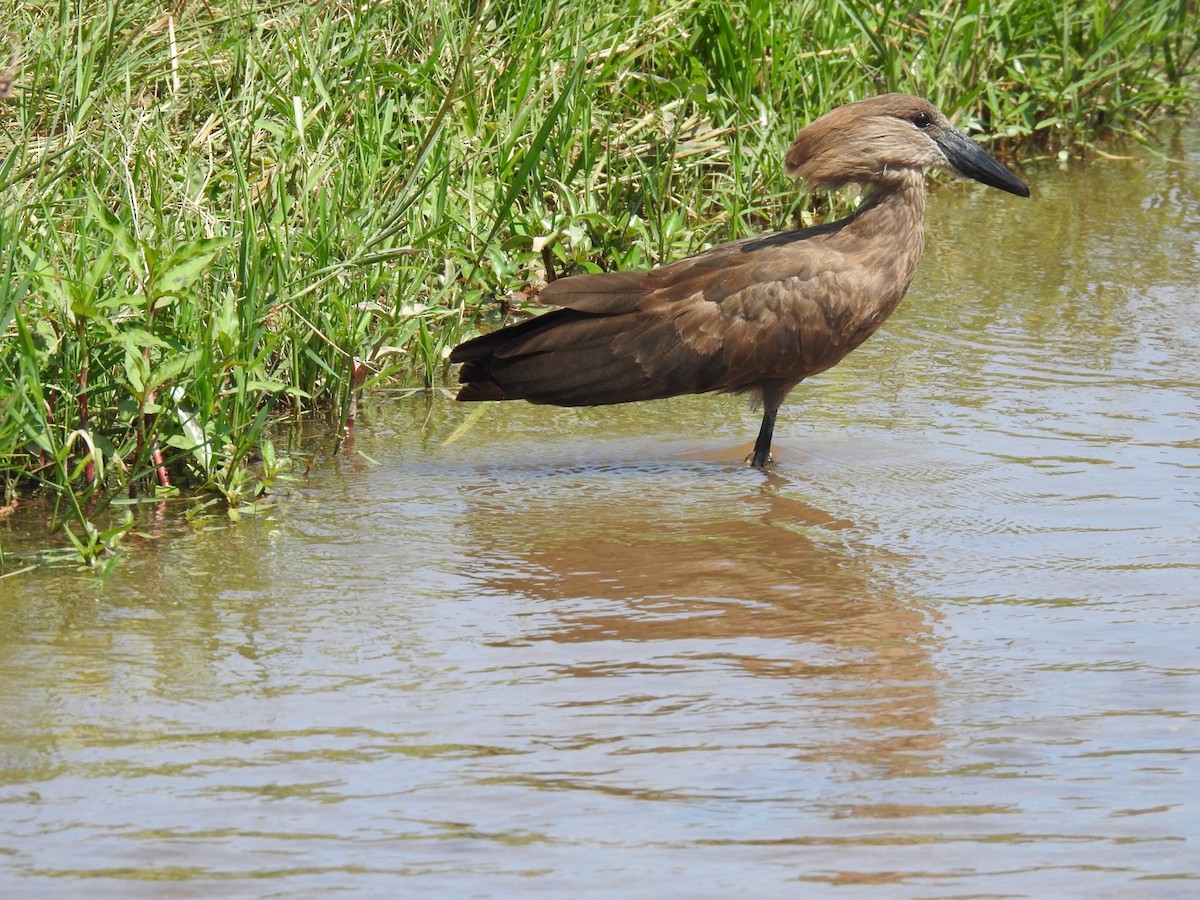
[(734, 318)]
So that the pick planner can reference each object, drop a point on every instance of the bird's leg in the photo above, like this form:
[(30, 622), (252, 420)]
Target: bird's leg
[(762, 447)]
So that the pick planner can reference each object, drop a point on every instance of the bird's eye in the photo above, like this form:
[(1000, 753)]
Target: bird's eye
[(922, 120)]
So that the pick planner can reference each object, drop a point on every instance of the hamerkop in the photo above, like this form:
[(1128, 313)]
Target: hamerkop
[(753, 316)]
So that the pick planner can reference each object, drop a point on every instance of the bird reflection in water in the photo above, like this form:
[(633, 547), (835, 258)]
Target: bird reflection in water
[(666, 571)]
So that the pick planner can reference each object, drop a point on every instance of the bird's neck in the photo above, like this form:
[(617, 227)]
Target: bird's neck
[(891, 221), (892, 210)]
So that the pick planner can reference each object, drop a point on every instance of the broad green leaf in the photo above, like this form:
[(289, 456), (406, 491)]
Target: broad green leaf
[(171, 368), (123, 241), (183, 268)]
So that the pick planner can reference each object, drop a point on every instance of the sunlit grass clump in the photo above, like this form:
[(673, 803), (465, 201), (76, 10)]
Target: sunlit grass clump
[(218, 214)]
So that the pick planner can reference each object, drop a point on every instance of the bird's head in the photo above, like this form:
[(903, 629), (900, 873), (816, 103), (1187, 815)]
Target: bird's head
[(888, 139)]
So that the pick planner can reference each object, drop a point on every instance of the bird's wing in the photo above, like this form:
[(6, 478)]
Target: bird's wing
[(604, 293), (734, 318), (778, 313)]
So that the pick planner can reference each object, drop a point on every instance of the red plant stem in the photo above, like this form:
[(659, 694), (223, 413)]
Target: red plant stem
[(89, 470), (164, 478), (156, 457), (358, 374)]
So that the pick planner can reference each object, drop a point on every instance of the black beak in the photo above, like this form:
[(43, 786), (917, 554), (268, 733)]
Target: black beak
[(972, 161)]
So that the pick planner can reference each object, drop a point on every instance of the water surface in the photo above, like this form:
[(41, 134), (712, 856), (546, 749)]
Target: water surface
[(949, 646)]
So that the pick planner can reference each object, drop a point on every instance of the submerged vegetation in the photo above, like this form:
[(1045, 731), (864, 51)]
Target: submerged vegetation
[(218, 215)]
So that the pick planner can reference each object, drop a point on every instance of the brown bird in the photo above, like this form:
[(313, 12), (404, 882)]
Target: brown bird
[(753, 316)]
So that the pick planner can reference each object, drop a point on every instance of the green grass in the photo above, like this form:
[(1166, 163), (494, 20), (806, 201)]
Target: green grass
[(219, 215)]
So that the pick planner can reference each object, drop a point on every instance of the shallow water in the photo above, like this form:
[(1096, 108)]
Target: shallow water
[(950, 646)]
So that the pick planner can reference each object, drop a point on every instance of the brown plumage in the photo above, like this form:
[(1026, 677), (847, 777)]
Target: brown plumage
[(757, 315)]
